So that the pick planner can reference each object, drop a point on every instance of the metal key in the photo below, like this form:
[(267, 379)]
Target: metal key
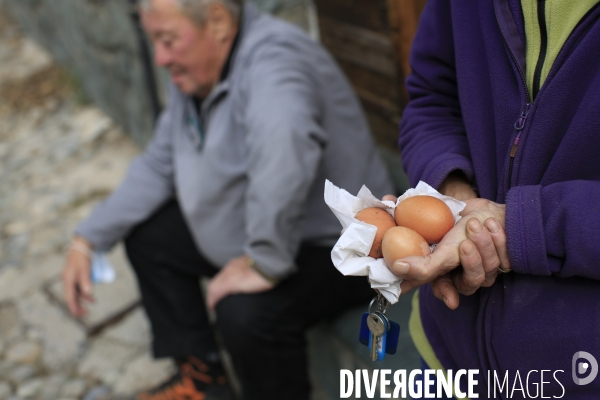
[(376, 328), (378, 325)]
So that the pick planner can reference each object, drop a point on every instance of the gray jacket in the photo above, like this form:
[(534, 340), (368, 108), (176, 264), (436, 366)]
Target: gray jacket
[(249, 171)]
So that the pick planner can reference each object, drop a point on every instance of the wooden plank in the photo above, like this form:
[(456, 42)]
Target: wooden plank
[(374, 54), (403, 20), (381, 106), (368, 14), (374, 83), (364, 48)]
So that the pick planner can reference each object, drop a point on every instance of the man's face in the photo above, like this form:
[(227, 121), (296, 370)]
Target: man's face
[(194, 55)]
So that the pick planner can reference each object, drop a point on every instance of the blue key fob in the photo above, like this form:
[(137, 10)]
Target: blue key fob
[(392, 338), (365, 333)]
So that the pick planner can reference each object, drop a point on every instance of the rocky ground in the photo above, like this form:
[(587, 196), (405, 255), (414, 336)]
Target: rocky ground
[(58, 157)]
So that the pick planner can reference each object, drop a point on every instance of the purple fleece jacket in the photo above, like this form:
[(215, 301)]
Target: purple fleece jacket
[(468, 97)]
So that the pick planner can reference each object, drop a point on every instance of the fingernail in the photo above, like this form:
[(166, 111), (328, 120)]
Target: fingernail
[(401, 267), (492, 225), (474, 226), (445, 300), (468, 248)]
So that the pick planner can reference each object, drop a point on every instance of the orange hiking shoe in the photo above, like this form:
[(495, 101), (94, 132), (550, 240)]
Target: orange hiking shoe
[(194, 381)]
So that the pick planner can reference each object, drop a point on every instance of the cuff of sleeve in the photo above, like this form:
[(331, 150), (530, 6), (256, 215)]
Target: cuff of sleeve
[(99, 244), (270, 266), (525, 231), (256, 268), (441, 167)]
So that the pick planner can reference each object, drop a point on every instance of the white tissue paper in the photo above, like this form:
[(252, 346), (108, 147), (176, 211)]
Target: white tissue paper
[(350, 253), (102, 270)]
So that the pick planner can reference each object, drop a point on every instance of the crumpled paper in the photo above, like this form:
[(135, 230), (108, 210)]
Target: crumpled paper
[(350, 253)]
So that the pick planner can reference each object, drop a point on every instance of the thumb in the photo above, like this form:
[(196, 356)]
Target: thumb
[(425, 269), (413, 268)]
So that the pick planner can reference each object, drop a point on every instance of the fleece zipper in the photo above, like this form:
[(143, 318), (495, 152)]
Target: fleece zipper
[(519, 125), (508, 28), (537, 75)]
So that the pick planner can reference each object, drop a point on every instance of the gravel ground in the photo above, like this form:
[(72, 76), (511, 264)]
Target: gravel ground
[(59, 157)]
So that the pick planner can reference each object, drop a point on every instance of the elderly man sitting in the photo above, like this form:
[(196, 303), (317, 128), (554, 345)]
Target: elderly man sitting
[(231, 187)]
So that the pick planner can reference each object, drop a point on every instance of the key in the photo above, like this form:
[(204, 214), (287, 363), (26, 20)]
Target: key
[(373, 343), (378, 325), (382, 342), (364, 336), (373, 347), (385, 340)]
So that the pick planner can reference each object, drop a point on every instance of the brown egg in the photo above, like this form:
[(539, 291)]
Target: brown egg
[(400, 242), (427, 215), (382, 220)]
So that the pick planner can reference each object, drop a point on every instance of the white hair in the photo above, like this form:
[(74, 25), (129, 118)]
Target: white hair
[(196, 9)]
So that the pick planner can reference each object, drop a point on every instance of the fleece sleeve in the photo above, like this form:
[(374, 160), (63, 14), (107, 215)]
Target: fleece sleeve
[(148, 185), (285, 142), (432, 141), (555, 229)]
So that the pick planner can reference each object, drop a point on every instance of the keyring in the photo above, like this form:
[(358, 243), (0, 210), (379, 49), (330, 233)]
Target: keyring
[(371, 303), (382, 305)]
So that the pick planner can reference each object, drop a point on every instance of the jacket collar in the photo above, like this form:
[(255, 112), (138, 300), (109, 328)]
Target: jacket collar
[(510, 20), (249, 15)]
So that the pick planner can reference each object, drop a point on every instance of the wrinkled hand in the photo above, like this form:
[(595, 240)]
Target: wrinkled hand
[(458, 186), (477, 242), (235, 277), (77, 283)]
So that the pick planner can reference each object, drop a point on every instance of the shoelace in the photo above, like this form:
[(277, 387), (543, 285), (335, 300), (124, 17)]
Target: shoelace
[(203, 368), (184, 389), (188, 371)]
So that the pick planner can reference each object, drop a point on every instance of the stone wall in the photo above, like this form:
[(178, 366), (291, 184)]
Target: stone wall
[(96, 41)]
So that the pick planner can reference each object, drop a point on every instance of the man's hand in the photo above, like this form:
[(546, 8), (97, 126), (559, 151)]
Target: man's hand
[(77, 284), (235, 277), (477, 242)]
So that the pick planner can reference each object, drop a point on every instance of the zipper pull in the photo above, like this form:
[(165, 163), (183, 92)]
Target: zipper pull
[(519, 128)]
